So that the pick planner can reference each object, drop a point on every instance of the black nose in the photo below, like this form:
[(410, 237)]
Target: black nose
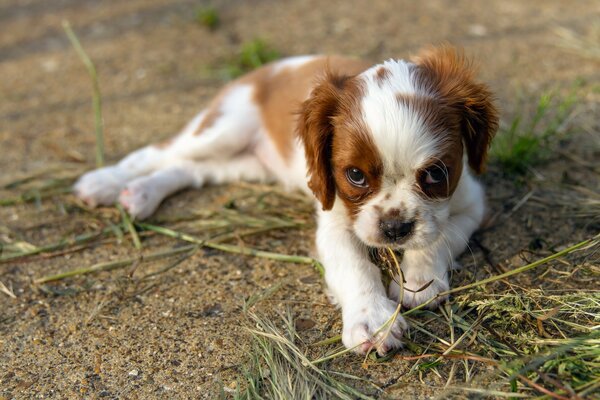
[(395, 229)]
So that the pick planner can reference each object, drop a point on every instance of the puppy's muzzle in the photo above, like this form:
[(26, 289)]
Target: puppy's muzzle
[(396, 229)]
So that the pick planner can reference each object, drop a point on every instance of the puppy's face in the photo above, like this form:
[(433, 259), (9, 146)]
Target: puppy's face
[(389, 144), (396, 173)]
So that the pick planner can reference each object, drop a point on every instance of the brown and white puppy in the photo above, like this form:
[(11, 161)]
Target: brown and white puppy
[(389, 151)]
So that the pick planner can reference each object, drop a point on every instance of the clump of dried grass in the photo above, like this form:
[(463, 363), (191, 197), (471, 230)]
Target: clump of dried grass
[(279, 368)]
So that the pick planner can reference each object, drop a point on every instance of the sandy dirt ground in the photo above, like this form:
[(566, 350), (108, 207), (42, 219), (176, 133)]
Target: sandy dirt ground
[(180, 334)]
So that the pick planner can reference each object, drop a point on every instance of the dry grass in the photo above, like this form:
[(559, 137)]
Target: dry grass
[(280, 369)]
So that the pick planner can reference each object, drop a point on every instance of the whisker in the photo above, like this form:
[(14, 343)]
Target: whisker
[(464, 238), (450, 258)]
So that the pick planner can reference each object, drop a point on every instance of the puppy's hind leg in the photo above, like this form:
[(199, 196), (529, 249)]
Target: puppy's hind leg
[(142, 196), (218, 149), (226, 128), (103, 185)]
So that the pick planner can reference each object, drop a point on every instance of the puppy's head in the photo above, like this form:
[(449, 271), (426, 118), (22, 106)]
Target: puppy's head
[(389, 144)]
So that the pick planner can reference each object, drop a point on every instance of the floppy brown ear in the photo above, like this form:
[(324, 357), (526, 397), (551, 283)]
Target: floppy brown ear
[(315, 128), (445, 71)]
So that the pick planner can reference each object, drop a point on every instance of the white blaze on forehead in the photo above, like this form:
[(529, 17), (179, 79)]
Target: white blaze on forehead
[(398, 130)]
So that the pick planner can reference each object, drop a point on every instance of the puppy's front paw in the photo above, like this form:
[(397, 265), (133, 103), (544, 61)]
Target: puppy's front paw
[(100, 187), (140, 198), (365, 326), (418, 290)]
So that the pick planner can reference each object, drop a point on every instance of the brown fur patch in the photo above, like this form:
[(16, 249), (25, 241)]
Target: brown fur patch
[(444, 123), (318, 126), (164, 143), (382, 75), (394, 213), (450, 162), (213, 111), (353, 147), (449, 76), (209, 120), (280, 94)]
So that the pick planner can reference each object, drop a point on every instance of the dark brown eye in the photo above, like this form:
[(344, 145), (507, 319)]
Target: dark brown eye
[(434, 175), (356, 177)]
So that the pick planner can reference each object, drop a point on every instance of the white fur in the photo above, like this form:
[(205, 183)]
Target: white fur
[(236, 147)]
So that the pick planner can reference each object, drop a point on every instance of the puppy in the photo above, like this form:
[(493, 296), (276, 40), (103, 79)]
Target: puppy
[(389, 151)]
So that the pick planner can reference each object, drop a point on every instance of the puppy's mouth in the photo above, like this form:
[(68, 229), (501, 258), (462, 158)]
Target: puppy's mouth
[(381, 242), (399, 244)]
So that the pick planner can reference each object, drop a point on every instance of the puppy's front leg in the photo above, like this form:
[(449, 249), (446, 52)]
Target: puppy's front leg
[(425, 276), (355, 284)]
